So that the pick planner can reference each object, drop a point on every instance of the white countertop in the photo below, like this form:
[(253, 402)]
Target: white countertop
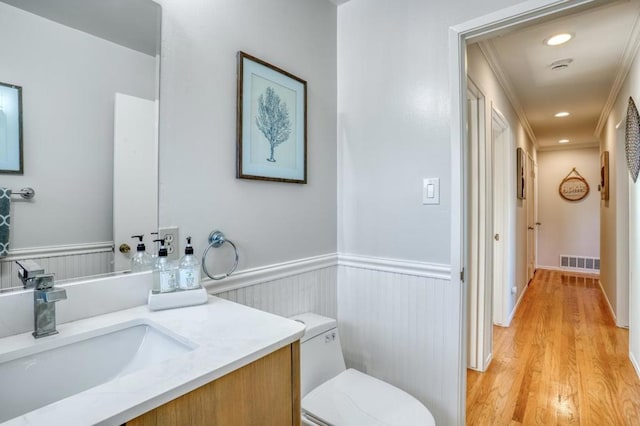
[(228, 336)]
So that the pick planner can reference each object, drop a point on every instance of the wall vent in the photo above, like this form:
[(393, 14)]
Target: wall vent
[(580, 262)]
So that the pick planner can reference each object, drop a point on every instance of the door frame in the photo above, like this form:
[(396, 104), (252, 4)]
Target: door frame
[(479, 356), (475, 29), (503, 256)]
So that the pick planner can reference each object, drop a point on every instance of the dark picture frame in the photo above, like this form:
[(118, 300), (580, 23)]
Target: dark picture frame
[(604, 175), (11, 151), (271, 122), (521, 174)]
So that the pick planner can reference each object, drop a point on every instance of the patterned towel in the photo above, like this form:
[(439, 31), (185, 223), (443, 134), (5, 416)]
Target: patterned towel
[(5, 216)]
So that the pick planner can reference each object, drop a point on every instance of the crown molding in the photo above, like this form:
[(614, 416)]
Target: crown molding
[(569, 147), (489, 52), (630, 51)]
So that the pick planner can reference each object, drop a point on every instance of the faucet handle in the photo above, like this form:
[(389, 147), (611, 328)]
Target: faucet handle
[(44, 281), (55, 295)]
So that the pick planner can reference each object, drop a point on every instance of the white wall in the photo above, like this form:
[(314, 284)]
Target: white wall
[(609, 256), (634, 272), (394, 117), (384, 320), (69, 79), (313, 291), (619, 224), (270, 222), (515, 236), (616, 222), (394, 100), (568, 227)]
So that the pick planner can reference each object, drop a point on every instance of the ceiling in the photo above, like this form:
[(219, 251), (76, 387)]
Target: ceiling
[(130, 23), (604, 44)]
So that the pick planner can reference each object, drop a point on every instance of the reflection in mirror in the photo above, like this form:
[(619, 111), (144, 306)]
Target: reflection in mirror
[(10, 129), (91, 159)]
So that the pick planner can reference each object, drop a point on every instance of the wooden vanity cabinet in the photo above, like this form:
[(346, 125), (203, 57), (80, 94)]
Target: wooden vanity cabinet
[(265, 392)]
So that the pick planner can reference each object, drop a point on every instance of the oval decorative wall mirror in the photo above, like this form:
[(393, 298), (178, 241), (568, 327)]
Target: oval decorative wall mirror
[(632, 140)]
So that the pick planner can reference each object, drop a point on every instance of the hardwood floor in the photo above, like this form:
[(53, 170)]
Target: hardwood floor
[(562, 361)]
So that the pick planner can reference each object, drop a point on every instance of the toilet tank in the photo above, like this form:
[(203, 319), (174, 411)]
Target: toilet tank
[(320, 351)]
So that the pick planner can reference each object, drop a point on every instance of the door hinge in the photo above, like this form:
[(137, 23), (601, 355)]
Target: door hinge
[(462, 275)]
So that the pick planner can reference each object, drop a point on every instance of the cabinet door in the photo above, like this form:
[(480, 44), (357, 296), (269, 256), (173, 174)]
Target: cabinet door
[(265, 392)]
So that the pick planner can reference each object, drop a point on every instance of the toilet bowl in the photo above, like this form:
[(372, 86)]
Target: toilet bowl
[(333, 395)]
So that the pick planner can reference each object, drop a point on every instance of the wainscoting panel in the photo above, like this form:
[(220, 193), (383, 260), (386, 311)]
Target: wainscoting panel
[(65, 262), (403, 329), (313, 291)]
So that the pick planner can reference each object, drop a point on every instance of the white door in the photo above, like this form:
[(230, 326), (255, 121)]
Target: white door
[(500, 148), (531, 218), (135, 174)]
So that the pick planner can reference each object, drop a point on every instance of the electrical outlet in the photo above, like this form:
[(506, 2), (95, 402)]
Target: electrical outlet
[(171, 236)]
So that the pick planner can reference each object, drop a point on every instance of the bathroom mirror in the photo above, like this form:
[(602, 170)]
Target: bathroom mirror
[(89, 72)]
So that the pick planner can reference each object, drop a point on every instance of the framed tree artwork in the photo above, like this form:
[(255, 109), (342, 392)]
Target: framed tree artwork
[(271, 123)]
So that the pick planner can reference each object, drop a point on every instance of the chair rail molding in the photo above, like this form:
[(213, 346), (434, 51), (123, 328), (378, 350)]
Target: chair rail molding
[(398, 266)]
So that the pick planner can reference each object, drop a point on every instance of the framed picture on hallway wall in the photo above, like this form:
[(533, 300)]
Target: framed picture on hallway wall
[(604, 175), (521, 173), (271, 123)]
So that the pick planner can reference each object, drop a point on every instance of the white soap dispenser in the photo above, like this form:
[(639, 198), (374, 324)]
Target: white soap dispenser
[(189, 269), (164, 272), (141, 261)]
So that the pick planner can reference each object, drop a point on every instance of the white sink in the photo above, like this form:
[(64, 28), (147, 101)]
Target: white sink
[(62, 366)]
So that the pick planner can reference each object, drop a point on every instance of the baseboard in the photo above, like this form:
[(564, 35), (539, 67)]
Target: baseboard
[(396, 266), (515, 308), (634, 363), (604, 293), (487, 362), (263, 274), (575, 270)]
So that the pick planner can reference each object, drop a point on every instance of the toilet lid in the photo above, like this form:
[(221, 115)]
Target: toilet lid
[(353, 398)]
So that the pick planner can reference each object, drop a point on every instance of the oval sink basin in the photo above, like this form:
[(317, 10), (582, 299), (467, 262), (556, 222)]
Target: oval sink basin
[(66, 365)]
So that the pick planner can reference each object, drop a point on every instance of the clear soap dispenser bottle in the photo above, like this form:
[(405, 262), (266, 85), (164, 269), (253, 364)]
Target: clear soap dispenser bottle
[(141, 261), (164, 272), (189, 269)]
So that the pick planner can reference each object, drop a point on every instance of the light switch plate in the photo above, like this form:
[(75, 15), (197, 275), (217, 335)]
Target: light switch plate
[(431, 191)]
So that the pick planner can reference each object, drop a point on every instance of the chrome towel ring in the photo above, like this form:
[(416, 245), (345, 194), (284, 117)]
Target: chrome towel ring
[(216, 239)]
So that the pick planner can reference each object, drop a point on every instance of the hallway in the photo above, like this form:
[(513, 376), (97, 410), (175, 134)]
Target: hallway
[(562, 361)]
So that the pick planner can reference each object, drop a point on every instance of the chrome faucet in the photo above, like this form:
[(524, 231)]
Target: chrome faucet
[(45, 296), (27, 272)]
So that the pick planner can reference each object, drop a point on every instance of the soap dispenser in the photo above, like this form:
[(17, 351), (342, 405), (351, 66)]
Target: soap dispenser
[(141, 261), (164, 272), (189, 269)]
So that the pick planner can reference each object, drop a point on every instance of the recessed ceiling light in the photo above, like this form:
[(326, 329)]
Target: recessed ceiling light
[(558, 39), (562, 114), (563, 141)]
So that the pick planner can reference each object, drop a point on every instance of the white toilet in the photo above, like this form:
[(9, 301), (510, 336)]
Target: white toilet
[(334, 396)]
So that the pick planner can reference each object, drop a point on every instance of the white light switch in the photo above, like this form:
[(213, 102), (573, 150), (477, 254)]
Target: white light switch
[(431, 191)]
